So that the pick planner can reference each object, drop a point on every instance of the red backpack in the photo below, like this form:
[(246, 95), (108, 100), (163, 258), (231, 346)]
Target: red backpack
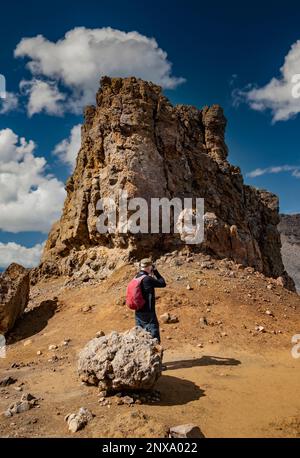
[(134, 296)]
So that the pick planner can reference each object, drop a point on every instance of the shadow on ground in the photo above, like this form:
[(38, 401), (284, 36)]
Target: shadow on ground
[(32, 322), (177, 391), (203, 361)]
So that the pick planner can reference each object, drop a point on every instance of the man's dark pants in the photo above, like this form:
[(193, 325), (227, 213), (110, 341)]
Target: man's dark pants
[(149, 322)]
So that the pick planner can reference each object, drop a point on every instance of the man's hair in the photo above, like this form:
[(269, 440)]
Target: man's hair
[(146, 262)]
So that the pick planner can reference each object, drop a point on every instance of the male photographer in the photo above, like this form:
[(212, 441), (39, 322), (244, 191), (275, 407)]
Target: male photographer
[(146, 316)]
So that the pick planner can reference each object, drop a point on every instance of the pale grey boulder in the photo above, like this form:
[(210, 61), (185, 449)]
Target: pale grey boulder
[(121, 361)]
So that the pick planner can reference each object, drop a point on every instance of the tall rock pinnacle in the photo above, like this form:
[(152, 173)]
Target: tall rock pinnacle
[(135, 140)]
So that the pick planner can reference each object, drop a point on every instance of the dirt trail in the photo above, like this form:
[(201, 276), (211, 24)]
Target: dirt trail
[(241, 383)]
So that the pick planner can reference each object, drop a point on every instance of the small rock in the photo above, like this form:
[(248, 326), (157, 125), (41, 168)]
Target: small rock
[(39, 353), (165, 317), (52, 347), (173, 319), (27, 342), (28, 397), (260, 329), (103, 393), (86, 309), (23, 406), (203, 321), (182, 431), (100, 334), (7, 381), (188, 286), (79, 420), (65, 342), (268, 312), (128, 400)]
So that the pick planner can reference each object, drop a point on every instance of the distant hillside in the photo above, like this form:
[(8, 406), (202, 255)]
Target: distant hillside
[(289, 228)]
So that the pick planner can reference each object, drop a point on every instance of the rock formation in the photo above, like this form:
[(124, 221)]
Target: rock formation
[(135, 140), (289, 228), (14, 295), (128, 361)]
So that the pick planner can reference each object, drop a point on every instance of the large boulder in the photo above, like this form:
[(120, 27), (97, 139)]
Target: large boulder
[(121, 361), (14, 295)]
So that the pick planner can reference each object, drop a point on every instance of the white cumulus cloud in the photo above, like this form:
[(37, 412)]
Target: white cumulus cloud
[(73, 65), (30, 199), (13, 252), (68, 148), (43, 96), (9, 103), (281, 95)]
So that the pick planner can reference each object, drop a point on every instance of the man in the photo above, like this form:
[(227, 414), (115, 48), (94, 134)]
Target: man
[(146, 316)]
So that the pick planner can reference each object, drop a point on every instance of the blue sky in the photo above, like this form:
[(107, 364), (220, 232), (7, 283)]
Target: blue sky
[(227, 54)]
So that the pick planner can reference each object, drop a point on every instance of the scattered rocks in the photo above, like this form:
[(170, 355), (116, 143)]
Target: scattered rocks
[(140, 397), (79, 420), (207, 265), (27, 402), (120, 361)]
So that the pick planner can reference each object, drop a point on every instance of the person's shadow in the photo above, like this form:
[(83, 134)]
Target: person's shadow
[(32, 322), (203, 361), (177, 391)]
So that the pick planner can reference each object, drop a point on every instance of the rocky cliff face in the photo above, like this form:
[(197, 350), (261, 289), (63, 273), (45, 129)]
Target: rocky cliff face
[(14, 295), (289, 228), (135, 140)]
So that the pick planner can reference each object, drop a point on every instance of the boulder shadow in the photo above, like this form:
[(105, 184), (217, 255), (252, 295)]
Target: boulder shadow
[(32, 322), (177, 391), (203, 361)]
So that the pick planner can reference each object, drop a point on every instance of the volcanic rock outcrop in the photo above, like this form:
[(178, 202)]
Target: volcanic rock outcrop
[(14, 295), (121, 361), (289, 228), (134, 139)]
